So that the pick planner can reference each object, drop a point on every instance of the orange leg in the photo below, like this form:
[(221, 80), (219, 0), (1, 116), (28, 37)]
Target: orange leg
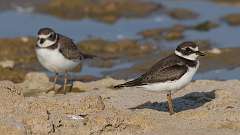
[(55, 81), (65, 82), (170, 103)]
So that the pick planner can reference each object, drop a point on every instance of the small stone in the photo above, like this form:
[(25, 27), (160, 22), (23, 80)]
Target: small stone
[(115, 48), (181, 14), (104, 10), (51, 93), (232, 19), (80, 86), (107, 82), (35, 76), (205, 26), (173, 35), (25, 39), (36, 83), (7, 64), (215, 51)]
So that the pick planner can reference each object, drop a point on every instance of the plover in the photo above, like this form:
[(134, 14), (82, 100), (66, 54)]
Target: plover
[(171, 73), (58, 53)]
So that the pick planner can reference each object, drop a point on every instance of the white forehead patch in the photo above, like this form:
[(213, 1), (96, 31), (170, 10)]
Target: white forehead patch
[(193, 56), (194, 49), (44, 36)]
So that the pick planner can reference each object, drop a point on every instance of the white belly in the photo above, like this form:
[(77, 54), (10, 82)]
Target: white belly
[(54, 61), (172, 85)]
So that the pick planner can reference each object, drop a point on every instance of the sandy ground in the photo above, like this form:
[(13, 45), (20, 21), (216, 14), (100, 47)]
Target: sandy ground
[(203, 107)]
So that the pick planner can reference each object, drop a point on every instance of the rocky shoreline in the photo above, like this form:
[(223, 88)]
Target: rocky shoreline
[(203, 107)]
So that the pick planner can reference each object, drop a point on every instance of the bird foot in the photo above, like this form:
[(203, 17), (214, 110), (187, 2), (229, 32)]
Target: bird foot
[(55, 90), (64, 90)]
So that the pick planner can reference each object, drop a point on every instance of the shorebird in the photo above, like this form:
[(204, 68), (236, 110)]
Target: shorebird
[(58, 53), (171, 73)]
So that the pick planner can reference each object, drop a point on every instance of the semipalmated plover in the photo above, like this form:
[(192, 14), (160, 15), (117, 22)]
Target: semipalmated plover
[(58, 53), (171, 73)]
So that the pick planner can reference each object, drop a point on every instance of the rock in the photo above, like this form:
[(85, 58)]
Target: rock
[(25, 39), (7, 64), (206, 26), (9, 49), (80, 86), (115, 48), (232, 19), (21, 55), (173, 33), (36, 83), (95, 85), (181, 13), (107, 10), (35, 76), (221, 60), (215, 51), (152, 33)]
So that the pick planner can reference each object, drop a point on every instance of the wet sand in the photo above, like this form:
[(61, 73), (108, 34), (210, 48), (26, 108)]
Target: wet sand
[(203, 107)]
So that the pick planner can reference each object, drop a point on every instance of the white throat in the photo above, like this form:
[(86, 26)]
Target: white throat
[(193, 56)]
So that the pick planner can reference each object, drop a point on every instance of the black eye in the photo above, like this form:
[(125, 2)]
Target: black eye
[(189, 50), (51, 36)]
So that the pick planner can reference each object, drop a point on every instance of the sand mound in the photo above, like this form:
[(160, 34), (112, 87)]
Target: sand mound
[(203, 107)]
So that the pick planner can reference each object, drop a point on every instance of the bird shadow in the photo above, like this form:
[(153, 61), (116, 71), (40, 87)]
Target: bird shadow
[(189, 101)]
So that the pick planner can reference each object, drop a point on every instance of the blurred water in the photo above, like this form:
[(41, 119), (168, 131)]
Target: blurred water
[(220, 74), (87, 70), (15, 23), (28, 24)]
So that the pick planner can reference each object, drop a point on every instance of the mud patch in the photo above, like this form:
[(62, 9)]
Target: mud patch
[(232, 19), (182, 14), (103, 10)]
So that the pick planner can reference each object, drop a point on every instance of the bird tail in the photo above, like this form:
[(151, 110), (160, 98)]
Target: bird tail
[(88, 56), (128, 84), (119, 86), (91, 56)]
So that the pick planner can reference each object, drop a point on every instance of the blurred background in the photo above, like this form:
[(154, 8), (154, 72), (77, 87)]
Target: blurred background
[(131, 34)]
